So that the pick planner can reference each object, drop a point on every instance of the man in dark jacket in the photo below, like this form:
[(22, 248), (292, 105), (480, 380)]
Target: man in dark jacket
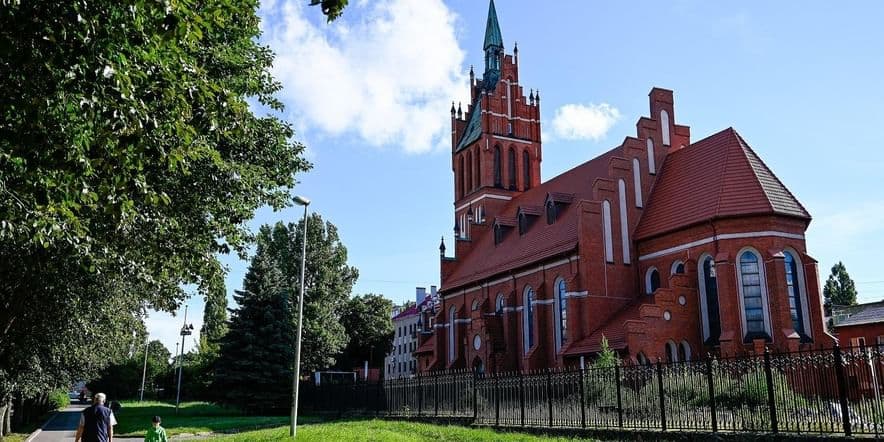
[(96, 422)]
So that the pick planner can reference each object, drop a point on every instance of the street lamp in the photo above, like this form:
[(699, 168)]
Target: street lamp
[(301, 201), (186, 330)]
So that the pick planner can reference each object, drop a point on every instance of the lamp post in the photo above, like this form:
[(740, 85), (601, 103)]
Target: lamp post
[(301, 201), (186, 330)]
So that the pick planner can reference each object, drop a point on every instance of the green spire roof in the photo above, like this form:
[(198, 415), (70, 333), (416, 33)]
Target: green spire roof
[(492, 29)]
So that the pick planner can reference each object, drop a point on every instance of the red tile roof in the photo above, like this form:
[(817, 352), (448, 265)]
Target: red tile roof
[(541, 240), (614, 331), (719, 176)]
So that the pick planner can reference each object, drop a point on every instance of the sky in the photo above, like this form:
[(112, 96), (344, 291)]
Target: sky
[(369, 95)]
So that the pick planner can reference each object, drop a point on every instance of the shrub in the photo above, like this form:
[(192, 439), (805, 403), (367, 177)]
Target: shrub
[(59, 399)]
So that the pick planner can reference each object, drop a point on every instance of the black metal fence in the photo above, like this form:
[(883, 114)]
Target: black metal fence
[(834, 391)]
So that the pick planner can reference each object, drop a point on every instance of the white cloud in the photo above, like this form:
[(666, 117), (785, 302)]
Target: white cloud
[(582, 122), (388, 77)]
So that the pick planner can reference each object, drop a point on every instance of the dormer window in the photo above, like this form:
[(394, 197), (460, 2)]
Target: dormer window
[(501, 226), (526, 217), (555, 202), (551, 212)]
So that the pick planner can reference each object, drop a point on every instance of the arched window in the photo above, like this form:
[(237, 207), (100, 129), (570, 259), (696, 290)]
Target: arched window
[(561, 314), (677, 268), (795, 288), (652, 160), (475, 305), (498, 180), (477, 171), (452, 317), (671, 352), (752, 296), (652, 280), (512, 169), (624, 223), (499, 303), (637, 181), (528, 319), (710, 316), (526, 169), (642, 359), (664, 125), (469, 175), (609, 240), (685, 351)]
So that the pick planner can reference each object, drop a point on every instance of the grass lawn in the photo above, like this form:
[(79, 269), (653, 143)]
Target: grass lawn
[(193, 417), (381, 430), (14, 437)]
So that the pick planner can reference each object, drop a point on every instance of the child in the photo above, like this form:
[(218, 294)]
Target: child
[(156, 433)]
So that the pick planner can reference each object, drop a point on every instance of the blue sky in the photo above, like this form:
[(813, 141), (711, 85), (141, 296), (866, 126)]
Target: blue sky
[(369, 95)]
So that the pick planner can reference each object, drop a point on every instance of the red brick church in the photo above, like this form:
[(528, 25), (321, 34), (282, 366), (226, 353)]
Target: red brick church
[(667, 247)]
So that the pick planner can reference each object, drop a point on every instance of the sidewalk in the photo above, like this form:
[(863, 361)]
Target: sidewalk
[(62, 427)]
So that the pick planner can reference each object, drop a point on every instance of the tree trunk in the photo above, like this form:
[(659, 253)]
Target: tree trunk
[(5, 418)]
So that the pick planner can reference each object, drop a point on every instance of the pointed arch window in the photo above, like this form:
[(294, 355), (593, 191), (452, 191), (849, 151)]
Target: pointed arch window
[(710, 316), (528, 319), (606, 224), (664, 126), (452, 317), (637, 182), (498, 180), (511, 157), (671, 352), (685, 351), (797, 298), (561, 314), (526, 169), (753, 296), (652, 160), (624, 223)]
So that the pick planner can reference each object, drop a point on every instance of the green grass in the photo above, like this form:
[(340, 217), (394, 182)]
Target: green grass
[(14, 437), (193, 417), (381, 430)]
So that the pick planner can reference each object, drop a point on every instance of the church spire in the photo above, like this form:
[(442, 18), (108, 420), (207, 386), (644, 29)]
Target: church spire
[(492, 29), (493, 49)]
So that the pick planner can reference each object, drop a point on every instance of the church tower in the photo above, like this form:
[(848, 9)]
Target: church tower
[(495, 141)]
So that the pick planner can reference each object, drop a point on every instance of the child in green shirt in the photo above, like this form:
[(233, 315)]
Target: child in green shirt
[(156, 433)]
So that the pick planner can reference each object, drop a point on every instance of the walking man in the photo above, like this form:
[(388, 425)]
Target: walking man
[(96, 422)]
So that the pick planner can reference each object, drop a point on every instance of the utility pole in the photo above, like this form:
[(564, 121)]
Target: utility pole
[(144, 371), (186, 330)]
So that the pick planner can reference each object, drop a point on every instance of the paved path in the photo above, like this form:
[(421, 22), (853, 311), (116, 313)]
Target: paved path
[(62, 427)]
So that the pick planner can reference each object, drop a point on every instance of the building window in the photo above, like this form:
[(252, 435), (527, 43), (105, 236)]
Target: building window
[(685, 351), (671, 352), (624, 223), (526, 169), (609, 241), (677, 268), (463, 177), (551, 212), (652, 280), (452, 315), (498, 181), (528, 319), (469, 173), (523, 223), (499, 304), (561, 314), (475, 305), (664, 126), (512, 169), (794, 285), (709, 300), (498, 234), (880, 343), (752, 294), (642, 359), (858, 343), (652, 160), (477, 172), (636, 177)]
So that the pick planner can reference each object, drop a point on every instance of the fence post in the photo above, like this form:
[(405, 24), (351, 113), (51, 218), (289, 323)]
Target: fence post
[(662, 398), (549, 395), (582, 398), (771, 402), (436, 393), (522, 397), (496, 400), (619, 396), (710, 380), (420, 395), (842, 389), (475, 395)]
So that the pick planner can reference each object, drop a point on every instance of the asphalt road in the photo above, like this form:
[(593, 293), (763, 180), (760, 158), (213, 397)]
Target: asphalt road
[(62, 427)]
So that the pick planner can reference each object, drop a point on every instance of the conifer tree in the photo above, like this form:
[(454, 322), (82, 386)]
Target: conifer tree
[(840, 289), (214, 319)]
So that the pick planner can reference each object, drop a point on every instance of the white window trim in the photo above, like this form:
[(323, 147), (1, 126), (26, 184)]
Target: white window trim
[(648, 273), (525, 328), (802, 291), (499, 303), (675, 266), (701, 282), (721, 236), (624, 222), (664, 126), (637, 181), (764, 295), (606, 223), (652, 160), (558, 298), (452, 318)]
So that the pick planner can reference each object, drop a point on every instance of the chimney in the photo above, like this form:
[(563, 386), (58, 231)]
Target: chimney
[(420, 294)]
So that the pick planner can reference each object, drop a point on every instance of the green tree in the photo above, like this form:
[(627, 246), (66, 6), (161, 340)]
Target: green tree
[(214, 319), (329, 281), (839, 290), (369, 329), (254, 369), (607, 358), (331, 8)]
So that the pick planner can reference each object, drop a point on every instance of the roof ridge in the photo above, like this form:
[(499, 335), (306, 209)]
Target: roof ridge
[(745, 146)]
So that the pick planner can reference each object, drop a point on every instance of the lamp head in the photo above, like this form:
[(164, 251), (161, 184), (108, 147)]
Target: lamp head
[(301, 201)]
